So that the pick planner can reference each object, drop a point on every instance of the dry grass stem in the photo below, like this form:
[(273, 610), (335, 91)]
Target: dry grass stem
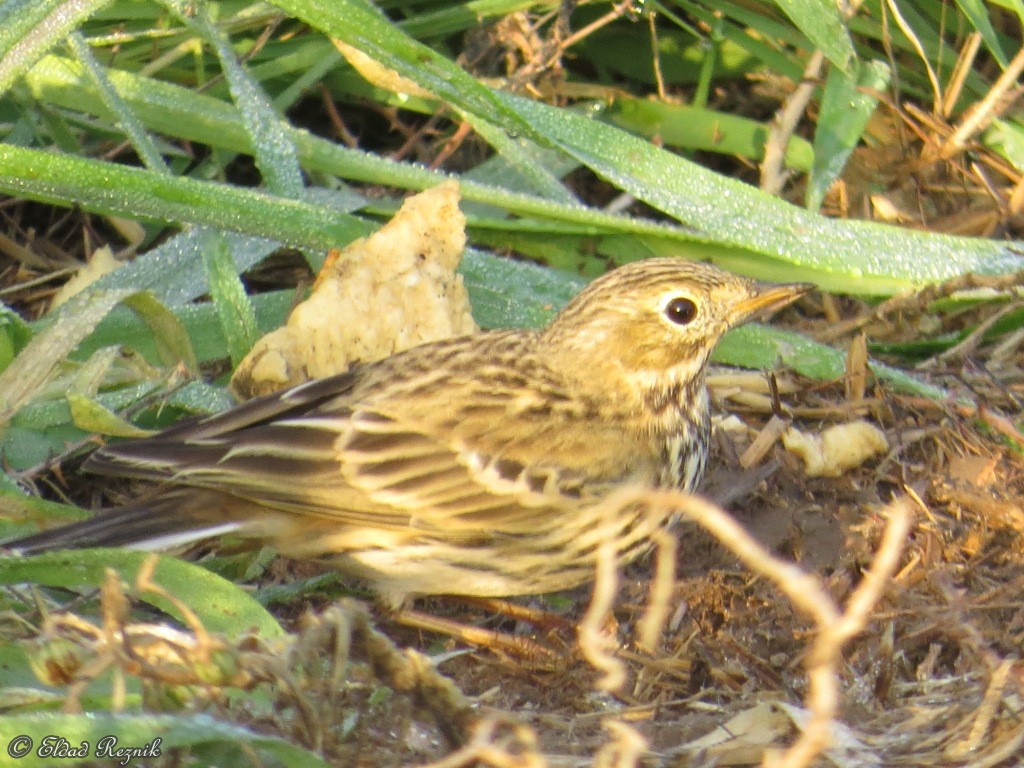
[(519, 647), (883, 566), (766, 438), (772, 176), (70, 650), (908, 32), (856, 381), (982, 112), (308, 674), (144, 583), (985, 714), (962, 68)]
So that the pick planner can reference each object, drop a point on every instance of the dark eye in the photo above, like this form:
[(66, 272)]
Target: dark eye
[(680, 311)]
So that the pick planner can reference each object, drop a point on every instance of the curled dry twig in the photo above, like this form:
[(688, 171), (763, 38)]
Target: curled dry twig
[(597, 648), (488, 746), (834, 627), (659, 609), (624, 750)]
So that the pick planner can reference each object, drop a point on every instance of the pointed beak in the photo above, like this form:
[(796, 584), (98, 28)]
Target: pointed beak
[(768, 297)]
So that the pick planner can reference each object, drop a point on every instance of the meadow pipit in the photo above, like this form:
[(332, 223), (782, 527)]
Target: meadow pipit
[(469, 466)]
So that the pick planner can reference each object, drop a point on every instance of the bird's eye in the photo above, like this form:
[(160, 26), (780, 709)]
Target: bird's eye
[(680, 310)]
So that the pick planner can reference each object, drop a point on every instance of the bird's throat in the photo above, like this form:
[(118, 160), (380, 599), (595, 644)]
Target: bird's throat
[(678, 417)]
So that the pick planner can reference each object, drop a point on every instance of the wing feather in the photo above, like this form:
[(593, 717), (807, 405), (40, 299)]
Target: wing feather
[(371, 449)]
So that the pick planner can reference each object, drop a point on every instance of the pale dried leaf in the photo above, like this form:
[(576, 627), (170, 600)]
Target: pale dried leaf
[(102, 262), (383, 294), (839, 448)]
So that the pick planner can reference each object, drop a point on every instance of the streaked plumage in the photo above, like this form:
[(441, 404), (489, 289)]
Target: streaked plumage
[(468, 466)]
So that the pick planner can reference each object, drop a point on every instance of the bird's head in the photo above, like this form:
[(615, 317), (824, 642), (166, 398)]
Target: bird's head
[(653, 323)]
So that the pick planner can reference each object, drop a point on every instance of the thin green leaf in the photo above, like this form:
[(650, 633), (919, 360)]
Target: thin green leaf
[(178, 112), (115, 189), (626, 50), (174, 271), (30, 28), (37, 362), (846, 106), (43, 429), (199, 397), (98, 733), (90, 416), (521, 155), (234, 309), (200, 321), (823, 25), (1007, 138), (764, 348), (126, 119), (759, 34), (686, 127), (14, 335), (220, 605), (850, 256), (978, 14), (172, 341), (274, 153)]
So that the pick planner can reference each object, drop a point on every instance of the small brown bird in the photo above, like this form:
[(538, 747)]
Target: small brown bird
[(471, 466)]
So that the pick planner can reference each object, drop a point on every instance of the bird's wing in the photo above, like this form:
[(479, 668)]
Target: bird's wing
[(483, 463), (132, 458)]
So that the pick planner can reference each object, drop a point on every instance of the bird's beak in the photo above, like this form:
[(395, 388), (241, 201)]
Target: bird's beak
[(768, 297)]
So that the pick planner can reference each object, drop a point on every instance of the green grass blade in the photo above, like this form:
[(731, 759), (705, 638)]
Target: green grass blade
[(978, 14), (37, 362), (171, 338), (90, 416), (173, 110), (846, 106), (686, 127), (163, 732), (115, 189), (823, 25), (220, 605), (274, 153), (126, 119), (850, 256), (234, 309), (30, 28)]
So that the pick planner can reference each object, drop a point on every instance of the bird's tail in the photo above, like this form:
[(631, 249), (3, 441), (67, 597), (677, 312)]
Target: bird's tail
[(163, 522)]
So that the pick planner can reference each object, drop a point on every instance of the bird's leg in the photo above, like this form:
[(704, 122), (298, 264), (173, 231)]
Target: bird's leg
[(541, 619), (519, 647)]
